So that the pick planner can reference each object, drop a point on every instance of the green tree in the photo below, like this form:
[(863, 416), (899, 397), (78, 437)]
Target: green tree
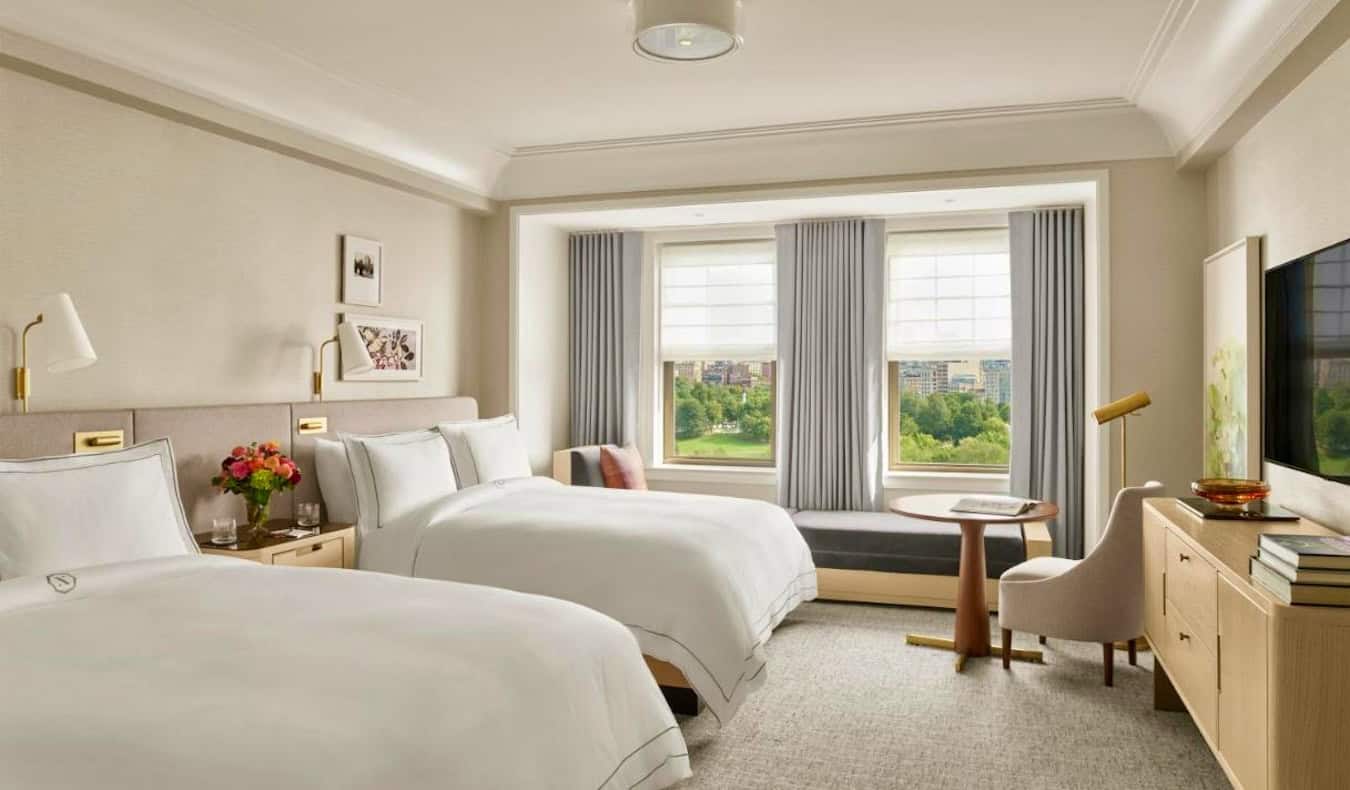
[(691, 418), (1333, 430)]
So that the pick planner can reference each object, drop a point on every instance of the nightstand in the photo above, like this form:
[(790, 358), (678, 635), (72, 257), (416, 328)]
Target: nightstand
[(333, 547)]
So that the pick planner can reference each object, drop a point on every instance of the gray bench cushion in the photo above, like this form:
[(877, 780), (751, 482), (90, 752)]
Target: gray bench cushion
[(899, 544), (586, 467)]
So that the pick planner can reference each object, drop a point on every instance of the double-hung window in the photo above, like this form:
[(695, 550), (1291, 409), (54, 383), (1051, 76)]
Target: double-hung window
[(718, 334), (949, 345)]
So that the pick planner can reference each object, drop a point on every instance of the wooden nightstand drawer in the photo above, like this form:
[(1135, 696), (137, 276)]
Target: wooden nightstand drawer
[(1193, 587), (327, 554)]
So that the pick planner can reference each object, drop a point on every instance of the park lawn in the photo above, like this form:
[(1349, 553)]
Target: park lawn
[(724, 445)]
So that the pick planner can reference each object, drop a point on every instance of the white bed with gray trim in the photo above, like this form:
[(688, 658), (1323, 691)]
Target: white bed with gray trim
[(159, 667), (701, 581)]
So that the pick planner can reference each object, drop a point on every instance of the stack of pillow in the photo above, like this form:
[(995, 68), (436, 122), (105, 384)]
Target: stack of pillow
[(375, 480)]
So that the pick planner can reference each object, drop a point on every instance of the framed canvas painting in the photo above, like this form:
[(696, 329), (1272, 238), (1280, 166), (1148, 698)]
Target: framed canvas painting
[(1233, 361), (362, 271), (395, 346)]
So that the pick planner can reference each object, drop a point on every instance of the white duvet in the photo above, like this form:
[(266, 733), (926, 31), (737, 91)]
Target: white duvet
[(700, 580), (205, 673)]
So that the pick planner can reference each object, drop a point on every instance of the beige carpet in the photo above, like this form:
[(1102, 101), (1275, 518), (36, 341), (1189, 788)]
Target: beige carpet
[(849, 705)]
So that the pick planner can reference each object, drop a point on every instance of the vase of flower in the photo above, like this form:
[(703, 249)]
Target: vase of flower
[(256, 472)]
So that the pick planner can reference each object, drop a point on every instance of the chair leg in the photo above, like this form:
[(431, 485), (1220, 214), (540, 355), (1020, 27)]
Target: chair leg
[(1109, 659), (1007, 648), (1042, 638), (1134, 655)]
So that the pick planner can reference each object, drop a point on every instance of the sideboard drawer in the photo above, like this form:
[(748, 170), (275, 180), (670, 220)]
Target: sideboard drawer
[(327, 554), (1193, 587), (1193, 668)]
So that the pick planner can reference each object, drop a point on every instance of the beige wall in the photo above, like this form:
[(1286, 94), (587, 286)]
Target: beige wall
[(1288, 180), (1156, 221), (206, 268)]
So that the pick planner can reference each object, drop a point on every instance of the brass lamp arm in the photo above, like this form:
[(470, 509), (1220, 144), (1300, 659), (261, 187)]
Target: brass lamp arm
[(26, 330), (318, 374), (22, 384)]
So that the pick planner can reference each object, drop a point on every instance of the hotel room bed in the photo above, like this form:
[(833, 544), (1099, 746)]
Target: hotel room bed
[(130, 661), (701, 581), (217, 673)]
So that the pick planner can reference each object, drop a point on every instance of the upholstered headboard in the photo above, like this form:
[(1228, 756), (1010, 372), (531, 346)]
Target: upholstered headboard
[(201, 435)]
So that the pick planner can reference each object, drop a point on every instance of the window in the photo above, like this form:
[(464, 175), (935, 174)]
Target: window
[(949, 342), (718, 347)]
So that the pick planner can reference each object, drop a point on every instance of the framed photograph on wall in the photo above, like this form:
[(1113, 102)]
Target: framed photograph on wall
[(395, 346), (1233, 361), (362, 271)]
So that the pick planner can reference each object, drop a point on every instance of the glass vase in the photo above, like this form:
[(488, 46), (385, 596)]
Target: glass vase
[(258, 515)]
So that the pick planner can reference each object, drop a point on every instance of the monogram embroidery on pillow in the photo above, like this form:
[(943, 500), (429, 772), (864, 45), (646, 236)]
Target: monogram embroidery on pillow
[(61, 582)]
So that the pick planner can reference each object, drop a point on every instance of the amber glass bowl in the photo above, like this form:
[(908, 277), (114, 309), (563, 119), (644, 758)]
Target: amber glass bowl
[(1227, 492)]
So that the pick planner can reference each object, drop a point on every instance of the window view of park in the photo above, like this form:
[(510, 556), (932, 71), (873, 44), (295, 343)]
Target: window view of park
[(953, 412), (723, 410)]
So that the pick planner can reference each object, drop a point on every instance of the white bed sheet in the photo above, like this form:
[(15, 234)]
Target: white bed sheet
[(700, 580), (213, 673)]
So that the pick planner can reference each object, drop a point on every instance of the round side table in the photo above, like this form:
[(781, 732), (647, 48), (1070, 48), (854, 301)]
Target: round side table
[(971, 637)]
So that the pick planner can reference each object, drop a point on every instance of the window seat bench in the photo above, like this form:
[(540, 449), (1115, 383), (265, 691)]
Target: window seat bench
[(892, 559)]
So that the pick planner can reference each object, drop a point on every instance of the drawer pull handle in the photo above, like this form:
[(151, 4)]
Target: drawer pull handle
[(1184, 557), (1183, 636)]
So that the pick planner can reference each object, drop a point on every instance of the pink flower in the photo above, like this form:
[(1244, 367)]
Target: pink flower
[(238, 452), (295, 478), (240, 470)]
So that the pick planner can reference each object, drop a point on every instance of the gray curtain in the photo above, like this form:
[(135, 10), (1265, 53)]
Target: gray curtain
[(1049, 417), (605, 274), (831, 297)]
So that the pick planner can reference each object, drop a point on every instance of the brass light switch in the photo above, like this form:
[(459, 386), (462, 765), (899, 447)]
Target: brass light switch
[(311, 425), (98, 441)]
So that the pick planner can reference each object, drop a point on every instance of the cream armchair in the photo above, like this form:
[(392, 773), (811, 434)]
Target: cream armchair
[(1097, 599)]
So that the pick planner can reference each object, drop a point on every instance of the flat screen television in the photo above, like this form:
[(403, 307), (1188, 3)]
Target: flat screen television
[(1306, 368)]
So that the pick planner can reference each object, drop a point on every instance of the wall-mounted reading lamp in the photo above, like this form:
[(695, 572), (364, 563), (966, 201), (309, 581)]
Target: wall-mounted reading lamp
[(67, 347), (355, 357), (1121, 410)]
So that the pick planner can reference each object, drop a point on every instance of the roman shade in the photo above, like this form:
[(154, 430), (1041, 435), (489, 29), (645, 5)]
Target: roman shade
[(717, 301), (948, 295)]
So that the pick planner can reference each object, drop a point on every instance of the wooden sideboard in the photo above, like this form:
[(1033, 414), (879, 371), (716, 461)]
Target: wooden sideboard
[(1267, 684)]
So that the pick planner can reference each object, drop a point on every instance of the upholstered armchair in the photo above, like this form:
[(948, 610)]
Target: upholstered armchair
[(1099, 598)]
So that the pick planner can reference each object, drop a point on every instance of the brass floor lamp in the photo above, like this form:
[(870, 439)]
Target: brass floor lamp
[(1122, 410)]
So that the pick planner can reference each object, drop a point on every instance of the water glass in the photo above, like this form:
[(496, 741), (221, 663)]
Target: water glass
[(224, 531), (307, 514)]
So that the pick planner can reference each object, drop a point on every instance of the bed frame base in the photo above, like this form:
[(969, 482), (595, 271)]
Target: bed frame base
[(682, 699)]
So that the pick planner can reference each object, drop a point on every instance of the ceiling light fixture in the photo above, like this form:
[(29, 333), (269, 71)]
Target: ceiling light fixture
[(682, 31)]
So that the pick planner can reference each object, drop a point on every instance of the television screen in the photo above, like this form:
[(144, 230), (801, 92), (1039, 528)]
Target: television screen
[(1306, 370)]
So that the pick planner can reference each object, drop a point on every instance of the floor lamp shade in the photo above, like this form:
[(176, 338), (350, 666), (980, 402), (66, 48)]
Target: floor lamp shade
[(355, 356), (66, 346)]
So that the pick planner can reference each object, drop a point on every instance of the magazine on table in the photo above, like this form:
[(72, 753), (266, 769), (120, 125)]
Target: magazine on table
[(988, 505)]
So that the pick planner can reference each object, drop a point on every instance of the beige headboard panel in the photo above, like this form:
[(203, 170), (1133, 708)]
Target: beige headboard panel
[(201, 437), (53, 433), (367, 416)]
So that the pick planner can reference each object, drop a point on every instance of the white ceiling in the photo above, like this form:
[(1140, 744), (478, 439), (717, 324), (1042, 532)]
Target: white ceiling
[(455, 88)]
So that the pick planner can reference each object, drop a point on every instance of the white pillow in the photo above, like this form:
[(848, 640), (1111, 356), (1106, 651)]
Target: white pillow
[(457, 436), (75, 511), (413, 468), (336, 485), (498, 452)]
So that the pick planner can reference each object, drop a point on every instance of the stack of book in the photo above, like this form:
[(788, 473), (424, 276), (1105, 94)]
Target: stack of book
[(1304, 569)]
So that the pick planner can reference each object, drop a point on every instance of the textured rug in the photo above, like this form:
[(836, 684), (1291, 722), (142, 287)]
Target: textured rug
[(849, 705)]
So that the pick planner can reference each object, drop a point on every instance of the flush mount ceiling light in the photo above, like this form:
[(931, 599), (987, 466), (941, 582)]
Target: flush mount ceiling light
[(679, 31)]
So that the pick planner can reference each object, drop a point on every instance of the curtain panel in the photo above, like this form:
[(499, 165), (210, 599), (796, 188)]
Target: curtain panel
[(1049, 416), (831, 316), (605, 295)]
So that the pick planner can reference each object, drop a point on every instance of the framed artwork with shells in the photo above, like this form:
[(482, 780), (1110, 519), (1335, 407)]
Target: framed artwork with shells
[(395, 346)]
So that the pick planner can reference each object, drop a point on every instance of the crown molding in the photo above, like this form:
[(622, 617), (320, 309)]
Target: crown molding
[(1174, 18), (869, 122)]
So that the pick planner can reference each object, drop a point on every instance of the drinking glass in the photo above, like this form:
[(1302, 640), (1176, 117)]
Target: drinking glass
[(307, 514), (224, 531)]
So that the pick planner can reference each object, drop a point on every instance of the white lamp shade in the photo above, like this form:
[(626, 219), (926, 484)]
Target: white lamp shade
[(686, 30), (66, 346), (355, 356)]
